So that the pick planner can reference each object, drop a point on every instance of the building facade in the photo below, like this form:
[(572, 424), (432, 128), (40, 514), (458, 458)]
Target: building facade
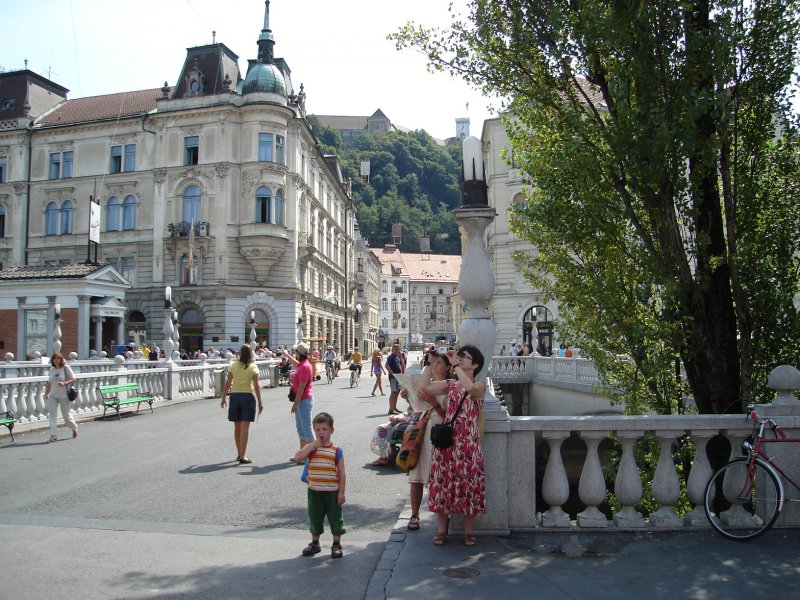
[(214, 186), (367, 298), (520, 313)]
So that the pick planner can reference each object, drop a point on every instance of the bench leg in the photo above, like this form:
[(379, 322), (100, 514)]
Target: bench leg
[(10, 427)]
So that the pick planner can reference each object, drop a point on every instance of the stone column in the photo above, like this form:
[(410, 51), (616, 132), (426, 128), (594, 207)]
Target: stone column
[(22, 332), (98, 335), (84, 316), (122, 340), (51, 301)]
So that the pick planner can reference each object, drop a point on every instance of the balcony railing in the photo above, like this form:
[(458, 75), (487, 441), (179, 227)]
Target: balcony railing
[(182, 228)]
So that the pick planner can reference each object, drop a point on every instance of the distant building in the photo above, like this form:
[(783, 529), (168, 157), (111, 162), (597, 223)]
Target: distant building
[(352, 128), (416, 290)]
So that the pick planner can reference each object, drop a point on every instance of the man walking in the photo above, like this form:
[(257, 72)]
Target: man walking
[(394, 364)]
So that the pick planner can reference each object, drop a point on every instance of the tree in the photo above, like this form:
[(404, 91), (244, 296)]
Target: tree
[(663, 161)]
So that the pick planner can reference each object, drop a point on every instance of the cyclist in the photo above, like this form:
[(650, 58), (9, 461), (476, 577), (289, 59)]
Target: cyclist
[(331, 358), (355, 361)]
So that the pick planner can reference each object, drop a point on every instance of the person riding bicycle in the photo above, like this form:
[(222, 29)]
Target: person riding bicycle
[(331, 359), (355, 361)]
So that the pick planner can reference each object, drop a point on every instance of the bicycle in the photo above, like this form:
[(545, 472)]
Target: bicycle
[(329, 371), (744, 498), (355, 377)]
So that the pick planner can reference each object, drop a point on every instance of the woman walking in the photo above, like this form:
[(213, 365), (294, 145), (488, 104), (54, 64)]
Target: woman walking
[(242, 384), (376, 369), (61, 377), (457, 473), (303, 400)]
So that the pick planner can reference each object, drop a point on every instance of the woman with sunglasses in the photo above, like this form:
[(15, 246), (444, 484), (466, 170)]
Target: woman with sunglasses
[(457, 481)]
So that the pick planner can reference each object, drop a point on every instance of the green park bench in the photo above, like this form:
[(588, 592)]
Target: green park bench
[(112, 397), (9, 421)]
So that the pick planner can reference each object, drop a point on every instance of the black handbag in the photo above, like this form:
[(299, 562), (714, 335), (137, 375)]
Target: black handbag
[(292, 395), (442, 433), (72, 393)]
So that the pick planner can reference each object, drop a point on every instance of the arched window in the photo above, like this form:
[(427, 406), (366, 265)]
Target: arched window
[(403, 305), (51, 219), (67, 216), (280, 208), (2, 221), (263, 201), (112, 214), (129, 213), (384, 305), (191, 204), (191, 316)]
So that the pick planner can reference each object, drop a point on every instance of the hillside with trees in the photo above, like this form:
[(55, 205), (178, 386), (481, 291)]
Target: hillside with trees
[(413, 181)]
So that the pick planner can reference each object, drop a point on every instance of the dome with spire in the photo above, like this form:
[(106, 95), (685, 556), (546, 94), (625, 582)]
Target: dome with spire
[(264, 78)]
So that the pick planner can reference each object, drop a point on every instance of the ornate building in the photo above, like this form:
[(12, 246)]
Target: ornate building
[(214, 186)]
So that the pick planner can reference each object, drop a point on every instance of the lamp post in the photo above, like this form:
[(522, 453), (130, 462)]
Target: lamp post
[(253, 331), (168, 328), (57, 329), (176, 335)]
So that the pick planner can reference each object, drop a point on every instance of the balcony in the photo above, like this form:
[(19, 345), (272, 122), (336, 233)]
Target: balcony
[(262, 244), (182, 228)]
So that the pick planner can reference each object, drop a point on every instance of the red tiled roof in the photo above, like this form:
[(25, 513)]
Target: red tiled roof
[(99, 108)]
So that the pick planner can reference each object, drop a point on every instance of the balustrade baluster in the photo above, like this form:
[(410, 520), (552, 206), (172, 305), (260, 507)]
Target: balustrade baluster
[(733, 483), (628, 484), (666, 487), (592, 485), (555, 486), (698, 478)]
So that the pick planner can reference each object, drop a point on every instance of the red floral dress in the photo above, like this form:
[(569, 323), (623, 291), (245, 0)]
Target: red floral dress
[(457, 478)]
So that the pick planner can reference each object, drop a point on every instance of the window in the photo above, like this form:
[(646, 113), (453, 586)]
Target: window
[(125, 266), (55, 165), (427, 289), (116, 160), (113, 214), (2, 221), (51, 219), (129, 213), (440, 324), (191, 204), (384, 305), (384, 286), (280, 152), (67, 216), (188, 273), (35, 332), (280, 208), (404, 305), (427, 308), (191, 152), (3, 168), (405, 287), (66, 167), (394, 304), (130, 157), (263, 202), (360, 265), (265, 147)]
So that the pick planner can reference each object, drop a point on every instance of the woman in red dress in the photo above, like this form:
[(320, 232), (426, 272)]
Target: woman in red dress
[(456, 484)]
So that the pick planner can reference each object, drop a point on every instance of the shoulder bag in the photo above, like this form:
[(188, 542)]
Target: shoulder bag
[(442, 433), (413, 438)]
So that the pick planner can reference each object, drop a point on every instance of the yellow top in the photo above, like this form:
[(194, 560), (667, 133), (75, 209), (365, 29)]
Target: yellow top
[(242, 377), (355, 357)]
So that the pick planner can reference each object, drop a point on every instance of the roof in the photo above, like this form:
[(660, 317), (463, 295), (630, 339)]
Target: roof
[(48, 271), (98, 108), (416, 266)]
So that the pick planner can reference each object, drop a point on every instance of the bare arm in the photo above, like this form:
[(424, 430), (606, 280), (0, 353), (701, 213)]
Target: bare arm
[(342, 481), (303, 453), (257, 389), (227, 389)]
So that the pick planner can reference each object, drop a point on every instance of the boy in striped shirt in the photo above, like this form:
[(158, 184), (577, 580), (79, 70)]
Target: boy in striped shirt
[(325, 475)]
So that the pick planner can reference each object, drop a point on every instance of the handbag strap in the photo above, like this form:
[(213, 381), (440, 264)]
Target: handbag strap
[(458, 410)]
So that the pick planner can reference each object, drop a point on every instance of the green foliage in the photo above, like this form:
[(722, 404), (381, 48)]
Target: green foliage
[(664, 165), (413, 181)]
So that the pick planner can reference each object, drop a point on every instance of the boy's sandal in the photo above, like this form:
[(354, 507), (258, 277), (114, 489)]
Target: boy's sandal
[(336, 551), (311, 549), (469, 540), (440, 539), (413, 523)]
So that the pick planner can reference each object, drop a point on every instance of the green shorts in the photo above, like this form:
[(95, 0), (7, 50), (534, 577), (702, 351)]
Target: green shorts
[(321, 504)]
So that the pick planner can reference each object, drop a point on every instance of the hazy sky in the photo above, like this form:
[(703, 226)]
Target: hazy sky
[(337, 48)]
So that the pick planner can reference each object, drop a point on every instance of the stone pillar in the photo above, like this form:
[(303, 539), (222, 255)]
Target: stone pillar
[(84, 312), (592, 484), (628, 485), (555, 486), (698, 478), (22, 332), (98, 335), (51, 301), (122, 340), (666, 487)]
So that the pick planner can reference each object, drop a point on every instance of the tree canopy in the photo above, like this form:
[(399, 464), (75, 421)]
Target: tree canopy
[(413, 181), (663, 164)]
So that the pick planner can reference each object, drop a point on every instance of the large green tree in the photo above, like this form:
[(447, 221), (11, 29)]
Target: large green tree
[(663, 161)]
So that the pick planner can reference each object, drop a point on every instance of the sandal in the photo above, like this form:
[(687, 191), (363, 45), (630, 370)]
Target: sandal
[(440, 539), (336, 550), (413, 523), (312, 549), (52, 439), (380, 462), (469, 540)]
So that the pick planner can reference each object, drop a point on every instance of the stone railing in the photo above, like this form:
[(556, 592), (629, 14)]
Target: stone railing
[(524, 369), (512, 448)]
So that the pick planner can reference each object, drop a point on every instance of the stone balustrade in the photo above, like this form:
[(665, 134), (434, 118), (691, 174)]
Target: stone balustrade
[(524, 369)]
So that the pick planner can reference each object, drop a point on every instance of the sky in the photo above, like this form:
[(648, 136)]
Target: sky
[(336, 48)]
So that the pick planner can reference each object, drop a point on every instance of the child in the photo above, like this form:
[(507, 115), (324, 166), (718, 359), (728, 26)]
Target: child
[(325, 475)]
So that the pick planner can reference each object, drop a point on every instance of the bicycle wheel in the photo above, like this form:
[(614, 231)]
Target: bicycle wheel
[(329, 373), (352, 378), (743, 502)]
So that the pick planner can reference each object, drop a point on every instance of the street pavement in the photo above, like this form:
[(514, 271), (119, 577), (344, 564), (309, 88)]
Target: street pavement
[(154, 507)]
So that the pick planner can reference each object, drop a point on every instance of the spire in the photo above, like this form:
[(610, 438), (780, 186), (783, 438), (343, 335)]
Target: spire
[(266, 42)]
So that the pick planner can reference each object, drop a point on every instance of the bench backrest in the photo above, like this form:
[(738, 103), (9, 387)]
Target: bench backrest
[(120, 387)]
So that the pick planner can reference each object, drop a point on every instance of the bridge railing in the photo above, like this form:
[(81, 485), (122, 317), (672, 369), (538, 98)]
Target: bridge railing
[(524, 369)]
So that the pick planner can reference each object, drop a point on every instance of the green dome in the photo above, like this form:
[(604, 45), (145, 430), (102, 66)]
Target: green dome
[(264, 77)]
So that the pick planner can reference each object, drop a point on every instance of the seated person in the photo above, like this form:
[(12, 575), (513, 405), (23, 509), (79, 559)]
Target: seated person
[(355, 361), (331, 358)]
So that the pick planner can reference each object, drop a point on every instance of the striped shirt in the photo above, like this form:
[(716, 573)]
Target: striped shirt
[(322, 473)]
